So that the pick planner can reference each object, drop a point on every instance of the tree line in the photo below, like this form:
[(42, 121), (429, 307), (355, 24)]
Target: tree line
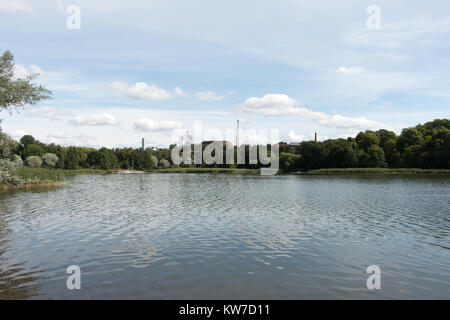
[(71, 158), (424, 146)]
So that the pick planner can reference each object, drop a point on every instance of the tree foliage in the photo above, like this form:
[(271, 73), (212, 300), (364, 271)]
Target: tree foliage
[(18, 92), (50, 159), (33, 162), (424, 146)]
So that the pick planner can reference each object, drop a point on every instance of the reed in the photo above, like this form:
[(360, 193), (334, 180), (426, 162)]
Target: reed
[(40, 174)]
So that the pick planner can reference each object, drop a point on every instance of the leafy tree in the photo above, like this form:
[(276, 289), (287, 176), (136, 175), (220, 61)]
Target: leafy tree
[(33, 150), (27, 140), (154, 162), (391, 153), (108, 159), (50, 159), (409, 137), (313, 154), (164, 163), (73, 158), (342, 153), (289, 161), (16, 93), (373, 158), (94, 159), (124, 157), (367, 139), (7, 146), (33, 162)]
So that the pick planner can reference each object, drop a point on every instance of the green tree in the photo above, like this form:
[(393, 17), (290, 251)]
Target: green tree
[(164, 163), (373, 158), (16, 93), (409, 137), (33, 162), (73, 159), (289, 161), (108, 159), (367, 139), (27, 140), (8, 146), (33, 150), (313, 155), (50, 159), (341, 153), (94, 159), (391, 153)]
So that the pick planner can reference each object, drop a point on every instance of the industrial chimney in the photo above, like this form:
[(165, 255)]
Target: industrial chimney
[(237, 134), (143, 144), (315, 136)]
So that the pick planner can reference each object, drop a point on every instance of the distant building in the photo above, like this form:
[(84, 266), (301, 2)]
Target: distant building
[(294, 146)]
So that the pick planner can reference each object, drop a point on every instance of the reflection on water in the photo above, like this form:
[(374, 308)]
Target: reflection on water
[(228, 236)]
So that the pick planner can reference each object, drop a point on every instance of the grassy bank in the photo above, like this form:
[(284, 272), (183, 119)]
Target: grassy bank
[(40, 174), (26, 178), (33, 186), (205, 170), (87, 171), (378, 171)]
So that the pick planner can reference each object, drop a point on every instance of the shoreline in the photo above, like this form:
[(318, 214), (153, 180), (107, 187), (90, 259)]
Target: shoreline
[(378, 171), (205, 170), (33, 185)]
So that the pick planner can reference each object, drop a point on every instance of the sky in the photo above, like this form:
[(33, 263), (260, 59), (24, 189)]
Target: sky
[(156, 69)]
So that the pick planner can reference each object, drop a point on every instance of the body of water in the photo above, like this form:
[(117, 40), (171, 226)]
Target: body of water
[(207, 236)]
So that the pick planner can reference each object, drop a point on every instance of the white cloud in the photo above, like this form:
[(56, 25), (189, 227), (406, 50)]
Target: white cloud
[(146, 124), (140, 91), (15, 5), (209, 96), (52, 113), (296, 137), (180, 93), (18, 134), (103, 119), (348, 71), (271, 104), (66, 139), (283, 105), (21, 71), (300, 137)]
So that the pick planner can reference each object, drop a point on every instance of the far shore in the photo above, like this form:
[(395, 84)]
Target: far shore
[(380, 171), (327, 171), (33, 186)]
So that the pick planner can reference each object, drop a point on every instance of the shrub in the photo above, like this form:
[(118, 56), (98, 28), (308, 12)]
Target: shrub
[(50, 159), (154, 162), (164, 163), (33, 162), (7, 146)]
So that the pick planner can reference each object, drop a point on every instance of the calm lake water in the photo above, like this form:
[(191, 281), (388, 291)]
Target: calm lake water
[(206, 236)]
